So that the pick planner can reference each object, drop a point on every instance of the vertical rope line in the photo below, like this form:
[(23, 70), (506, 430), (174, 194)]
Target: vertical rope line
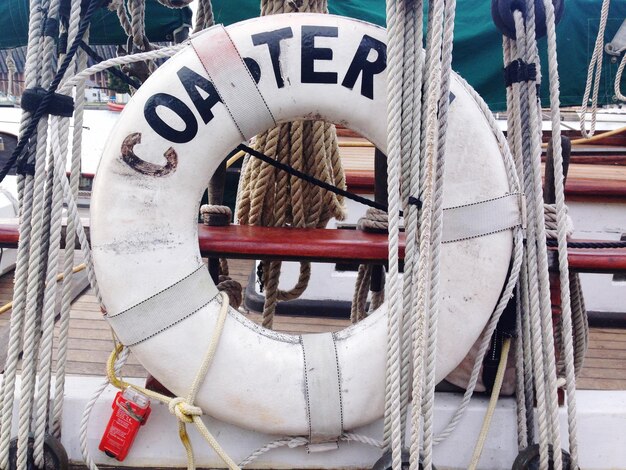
[(564, 276), (520, 391), (414, 326), (25, 192), (392, 432), (411, 87), (531, 287), (517, 94), (517, 248), (48, 314), (36, 255), (544, 281), (70, 238), (596, 61), (437, 214), (618, 80)]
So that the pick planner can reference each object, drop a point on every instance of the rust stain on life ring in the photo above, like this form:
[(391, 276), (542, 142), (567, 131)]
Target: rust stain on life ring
[(142, 166)]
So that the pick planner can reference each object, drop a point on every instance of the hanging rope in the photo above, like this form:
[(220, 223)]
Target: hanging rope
[(70, 238), (595, 68), (535, 350), (618, 80)]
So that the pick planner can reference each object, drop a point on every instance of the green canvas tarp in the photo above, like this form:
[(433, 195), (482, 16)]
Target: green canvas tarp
[(478, 45), (161, 22)]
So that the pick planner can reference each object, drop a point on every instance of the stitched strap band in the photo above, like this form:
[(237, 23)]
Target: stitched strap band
[(323, 388), (233, 82), (483, 218), (164, 309)]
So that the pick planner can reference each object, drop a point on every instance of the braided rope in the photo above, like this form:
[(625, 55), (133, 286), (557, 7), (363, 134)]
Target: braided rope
[(595, 62), (535, 292), (37, 254), (530, 299), (70, 237), (204, 15), (411, 99), (25, 192), (48, 314), (392, 429), (447, 13), (618, 80), (119, 7), (547, 335), (562, 234), (520, 391), (123, 60)]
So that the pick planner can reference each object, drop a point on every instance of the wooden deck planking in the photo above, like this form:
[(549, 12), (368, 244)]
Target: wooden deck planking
[(90, 340)]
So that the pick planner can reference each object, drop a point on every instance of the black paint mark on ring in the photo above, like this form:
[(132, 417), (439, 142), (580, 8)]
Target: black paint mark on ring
[(142, 166)]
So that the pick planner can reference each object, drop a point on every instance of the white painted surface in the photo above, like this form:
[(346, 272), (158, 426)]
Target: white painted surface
[(601, 424)]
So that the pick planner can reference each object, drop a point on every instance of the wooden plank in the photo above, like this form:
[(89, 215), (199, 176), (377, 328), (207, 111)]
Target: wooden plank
[(102, 334), (79, 284), (606, 354), (596, 331), (614, 335), (596, 344), (603, 373), (600, 384), (603, 363), (89, 324), (89, 368), (89, 344), (97, 357)]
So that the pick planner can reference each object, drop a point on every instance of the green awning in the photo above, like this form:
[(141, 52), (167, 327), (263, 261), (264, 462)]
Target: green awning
[(161, 22), (478, 45)]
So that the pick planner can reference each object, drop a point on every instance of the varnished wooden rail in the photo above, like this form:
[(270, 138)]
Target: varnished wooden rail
[(326, 245)]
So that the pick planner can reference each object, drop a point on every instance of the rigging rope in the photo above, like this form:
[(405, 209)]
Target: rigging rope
[(595, 68)]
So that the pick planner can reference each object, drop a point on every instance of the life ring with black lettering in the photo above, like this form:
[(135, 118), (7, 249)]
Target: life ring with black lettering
[(229, 85)]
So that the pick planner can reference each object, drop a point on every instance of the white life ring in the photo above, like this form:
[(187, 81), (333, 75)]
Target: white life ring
[(144, 214)]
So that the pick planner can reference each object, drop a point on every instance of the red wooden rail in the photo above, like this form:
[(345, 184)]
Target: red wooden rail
[(332, 246)]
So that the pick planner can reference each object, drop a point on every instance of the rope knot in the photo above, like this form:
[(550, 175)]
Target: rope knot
[(549, 212), (183, 410), (216, 215), (375, 220)]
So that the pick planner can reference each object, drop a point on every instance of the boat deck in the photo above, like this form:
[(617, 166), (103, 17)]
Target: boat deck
[(90, 340)]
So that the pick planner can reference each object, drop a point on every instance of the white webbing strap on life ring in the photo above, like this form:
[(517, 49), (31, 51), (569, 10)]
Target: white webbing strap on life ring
[(164, 309), (323, 389), (302, 66), (233, 82)]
